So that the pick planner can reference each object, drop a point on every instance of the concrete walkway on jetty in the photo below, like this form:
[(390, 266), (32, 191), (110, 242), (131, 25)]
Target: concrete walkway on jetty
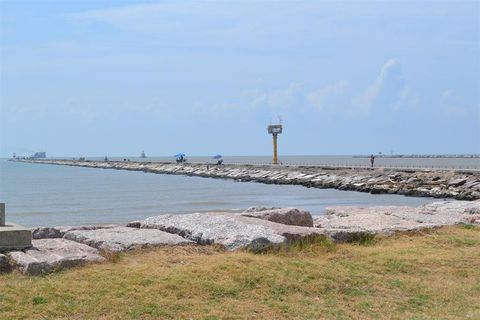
[(438, 183)]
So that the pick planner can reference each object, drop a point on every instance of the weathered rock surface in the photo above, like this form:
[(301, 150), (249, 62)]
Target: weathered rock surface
[(389, 218), (48, 255), (459, 184), (230, 230), (289, 216), (124, 238), (59, 232), (4, 265), (259, 208)]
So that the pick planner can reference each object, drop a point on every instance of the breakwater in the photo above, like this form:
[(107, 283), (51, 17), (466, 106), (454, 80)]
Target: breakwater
[(455, 184)]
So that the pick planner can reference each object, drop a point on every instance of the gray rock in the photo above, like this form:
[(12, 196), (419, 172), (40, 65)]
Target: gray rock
[(289, 216), (372, 220), (413, 180), (46, 233), (49, 255), (59, 232), (472, 184), (259, 208), (457, 182), (124, 238), (4, 265), (230, 230), (389, 219)]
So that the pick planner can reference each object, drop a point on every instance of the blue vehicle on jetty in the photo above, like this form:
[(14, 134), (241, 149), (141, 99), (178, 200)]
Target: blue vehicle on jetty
[(180, 158), (219, 159)]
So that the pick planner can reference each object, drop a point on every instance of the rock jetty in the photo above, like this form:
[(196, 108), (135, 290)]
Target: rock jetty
[(454, 184), (55, 248)]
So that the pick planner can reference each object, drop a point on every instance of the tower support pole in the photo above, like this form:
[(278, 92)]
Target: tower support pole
[(275, 157)]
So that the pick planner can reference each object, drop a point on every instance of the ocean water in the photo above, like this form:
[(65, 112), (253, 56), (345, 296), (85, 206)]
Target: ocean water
[(49, 195)]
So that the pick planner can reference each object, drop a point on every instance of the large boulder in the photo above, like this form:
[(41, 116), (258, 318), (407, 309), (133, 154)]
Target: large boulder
[(289, 216), (124, 238), (59, 232), (48, 255), (388, 219), (230, 230)]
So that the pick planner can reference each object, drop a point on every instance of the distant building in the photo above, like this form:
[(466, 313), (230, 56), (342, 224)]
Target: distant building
[(38, 155)]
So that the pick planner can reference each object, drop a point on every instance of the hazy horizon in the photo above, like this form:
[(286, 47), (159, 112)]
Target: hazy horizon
[(84, 78), (453, 155)]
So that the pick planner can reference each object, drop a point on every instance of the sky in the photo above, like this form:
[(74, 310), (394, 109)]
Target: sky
[(95, 78)]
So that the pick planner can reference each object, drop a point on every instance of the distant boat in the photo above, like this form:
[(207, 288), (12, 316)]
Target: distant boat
[(143, 154)]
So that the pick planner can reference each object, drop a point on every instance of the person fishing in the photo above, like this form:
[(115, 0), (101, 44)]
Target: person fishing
[(372, 160)]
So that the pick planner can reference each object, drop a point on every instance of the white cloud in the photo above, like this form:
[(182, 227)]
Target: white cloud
[(322, 98), (225, 107), (294, 97), (451, 104), (281, 98), (387, 91)]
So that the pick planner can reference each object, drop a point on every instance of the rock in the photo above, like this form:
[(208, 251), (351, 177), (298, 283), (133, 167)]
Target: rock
[(48, 255), (124, 238), (134, 224), (4, 265), (372, 220), (46, 233), (59, 232), (259, 208), (472, 184), (457, 182), (230, 230), (413, 180), (391, 218), (289, 216)]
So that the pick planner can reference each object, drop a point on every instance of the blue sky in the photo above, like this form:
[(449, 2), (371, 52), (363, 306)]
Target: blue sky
[(115, 77)]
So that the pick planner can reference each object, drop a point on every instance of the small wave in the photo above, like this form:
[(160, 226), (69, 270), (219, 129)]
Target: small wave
[(207, 202)]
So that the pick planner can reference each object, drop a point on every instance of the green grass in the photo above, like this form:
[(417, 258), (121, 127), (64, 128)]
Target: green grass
[(427, 275)]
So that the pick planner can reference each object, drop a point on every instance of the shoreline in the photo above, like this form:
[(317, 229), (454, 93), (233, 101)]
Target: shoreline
[(436, 183), (256, 229)]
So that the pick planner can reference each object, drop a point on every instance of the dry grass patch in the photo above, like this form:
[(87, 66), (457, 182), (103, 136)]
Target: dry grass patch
[(434, 274)]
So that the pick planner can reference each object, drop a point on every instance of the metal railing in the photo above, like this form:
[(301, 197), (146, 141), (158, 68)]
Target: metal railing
[(352, 166)]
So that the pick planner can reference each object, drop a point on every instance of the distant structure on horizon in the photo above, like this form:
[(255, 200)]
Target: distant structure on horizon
[(39, 155), (142, 155), (275, 130)]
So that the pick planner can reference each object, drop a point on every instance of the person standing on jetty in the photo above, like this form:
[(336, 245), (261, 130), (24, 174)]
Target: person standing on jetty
[(372, 160)]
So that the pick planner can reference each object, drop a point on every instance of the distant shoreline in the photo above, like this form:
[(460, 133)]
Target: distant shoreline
[(383, 155), (414, 156)]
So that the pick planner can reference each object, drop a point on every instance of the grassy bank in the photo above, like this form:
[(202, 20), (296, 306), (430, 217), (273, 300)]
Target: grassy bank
[(434, 274)]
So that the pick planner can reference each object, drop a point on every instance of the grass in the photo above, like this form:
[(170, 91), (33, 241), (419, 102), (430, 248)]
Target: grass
[(428, 275)]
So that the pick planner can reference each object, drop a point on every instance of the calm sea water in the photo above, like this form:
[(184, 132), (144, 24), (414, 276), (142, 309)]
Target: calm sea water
[(49, 195)]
